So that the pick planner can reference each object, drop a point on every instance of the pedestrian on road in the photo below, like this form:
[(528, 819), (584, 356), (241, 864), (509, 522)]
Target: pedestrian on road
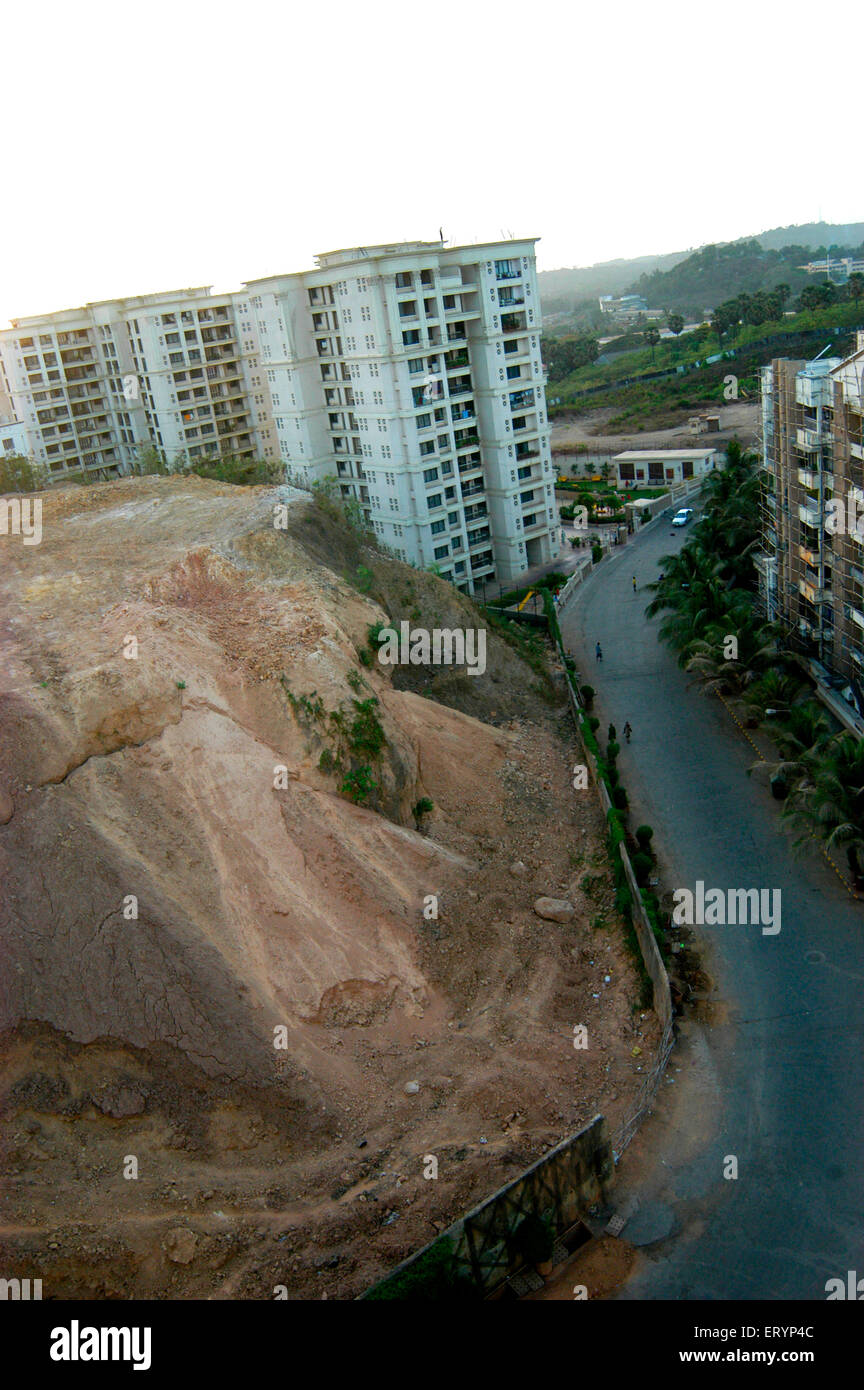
[(598, 652), (634, 583), (627, 731)]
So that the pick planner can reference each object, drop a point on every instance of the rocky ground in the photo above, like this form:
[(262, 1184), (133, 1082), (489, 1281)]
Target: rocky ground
[(233, 1029)]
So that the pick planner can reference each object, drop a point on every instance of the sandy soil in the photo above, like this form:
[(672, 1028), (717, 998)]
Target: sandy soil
[(154, 1141), (739, 418)]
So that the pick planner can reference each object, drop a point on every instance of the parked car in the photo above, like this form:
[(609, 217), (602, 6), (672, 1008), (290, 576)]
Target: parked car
[(681, 518)]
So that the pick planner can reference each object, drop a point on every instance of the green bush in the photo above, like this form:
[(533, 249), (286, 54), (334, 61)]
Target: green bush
[(433, 1277), (587, 693), (20, 474), (642, 866), (359, 785), (596, 553), (644, 835), (619, 798), (366, 734), (326, 763), (534, 1240), (612, 751)]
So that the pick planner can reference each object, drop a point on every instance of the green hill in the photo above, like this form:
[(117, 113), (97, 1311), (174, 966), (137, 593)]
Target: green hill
[(690, 282), (717, 273)]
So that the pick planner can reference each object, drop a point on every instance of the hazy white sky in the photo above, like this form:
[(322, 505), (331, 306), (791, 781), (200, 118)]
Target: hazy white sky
[(159, 145)]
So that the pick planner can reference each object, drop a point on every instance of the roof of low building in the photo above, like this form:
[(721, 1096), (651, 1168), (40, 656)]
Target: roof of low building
[(644, 455)]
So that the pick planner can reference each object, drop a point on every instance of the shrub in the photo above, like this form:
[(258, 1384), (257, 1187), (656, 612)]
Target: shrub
[(366, 734), (644, 835), (20, 474), (642, 866), (596, 553), (365, 657), (612, 734), (612, 751), (593, 723), (373, 634), (326, 762), (534, 1239), (619, 798), (359, 785), (587, 693), (424, 807)]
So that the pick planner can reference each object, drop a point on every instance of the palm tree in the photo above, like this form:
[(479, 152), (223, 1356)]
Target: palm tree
[(757, 649), (829, 802)]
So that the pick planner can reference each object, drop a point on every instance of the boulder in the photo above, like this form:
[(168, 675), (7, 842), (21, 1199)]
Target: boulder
[(555, 909)]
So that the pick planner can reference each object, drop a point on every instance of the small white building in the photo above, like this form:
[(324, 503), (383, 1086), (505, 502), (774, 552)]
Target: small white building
[(663, 467), (14, 439)]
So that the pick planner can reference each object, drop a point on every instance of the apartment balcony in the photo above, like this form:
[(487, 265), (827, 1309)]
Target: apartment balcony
[(215, 354), (810, 514), (857, 616), (812, 440), (807, 478), (465, 412), (454, 360), (470, 465), (511, 301), (856, 449), (472, 489), (466, 439), (521, 400), (813, 593), (476, 512), (461, 387), (809, 557), (508, 274), (82, 374), (523, 455), (481, 538), (513, 323)]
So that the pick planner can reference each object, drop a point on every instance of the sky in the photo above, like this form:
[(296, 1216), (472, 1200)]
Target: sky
[(166, 145)]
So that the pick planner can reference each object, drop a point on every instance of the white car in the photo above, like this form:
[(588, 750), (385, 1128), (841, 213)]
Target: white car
[(681, 518)]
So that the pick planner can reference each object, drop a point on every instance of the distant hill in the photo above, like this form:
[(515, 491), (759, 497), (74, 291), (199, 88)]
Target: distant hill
[(813, 235), (690, 282), (560, 289)]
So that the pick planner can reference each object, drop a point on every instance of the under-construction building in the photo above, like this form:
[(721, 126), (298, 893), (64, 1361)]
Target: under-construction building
[(811, 565)]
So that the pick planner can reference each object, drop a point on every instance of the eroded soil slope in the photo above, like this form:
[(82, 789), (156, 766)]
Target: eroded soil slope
[(186, 882)]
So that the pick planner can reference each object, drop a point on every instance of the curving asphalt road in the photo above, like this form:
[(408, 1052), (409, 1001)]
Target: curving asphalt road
[(773, 1074)]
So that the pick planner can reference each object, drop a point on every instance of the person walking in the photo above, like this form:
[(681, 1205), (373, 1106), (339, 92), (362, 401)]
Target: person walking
[(627, 731), (598, 652), (634, 583)]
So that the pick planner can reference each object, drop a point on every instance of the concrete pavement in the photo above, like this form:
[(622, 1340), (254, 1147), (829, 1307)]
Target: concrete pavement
[(771, 1072)]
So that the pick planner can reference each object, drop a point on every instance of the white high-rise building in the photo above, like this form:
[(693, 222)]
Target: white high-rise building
[(177, 372), (411, 374)]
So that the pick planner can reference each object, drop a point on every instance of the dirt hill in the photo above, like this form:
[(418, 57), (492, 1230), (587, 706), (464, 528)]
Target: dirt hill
[(187, 881)]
